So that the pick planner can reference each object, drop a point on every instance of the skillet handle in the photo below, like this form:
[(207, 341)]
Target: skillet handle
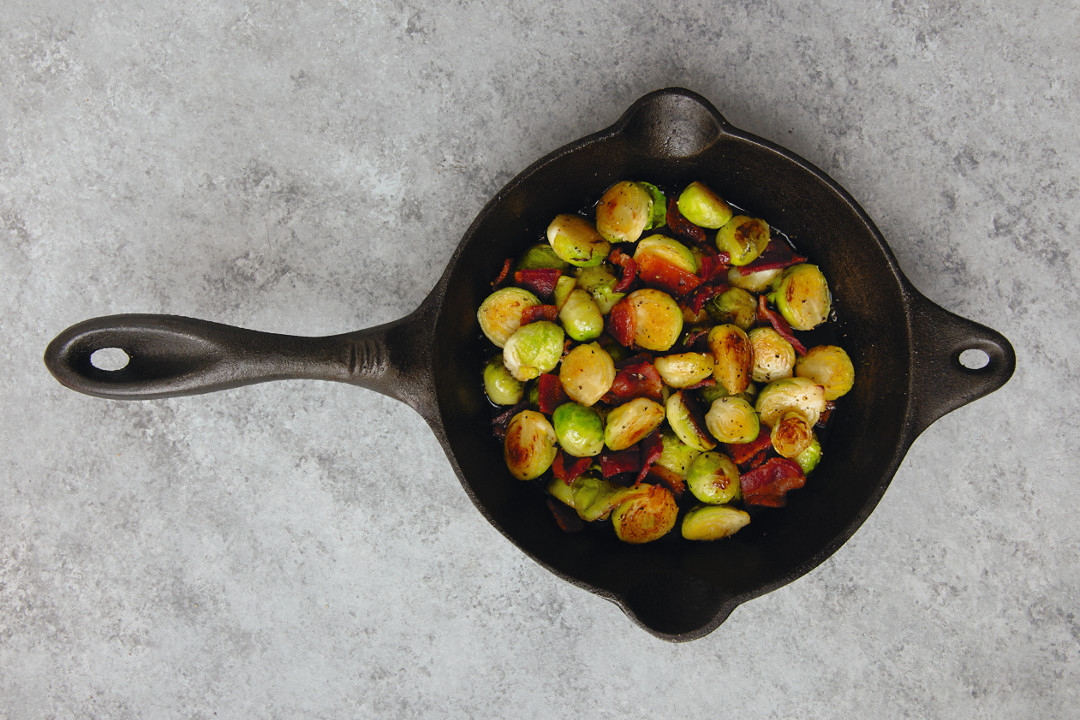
[(169, 355), (943, 376)]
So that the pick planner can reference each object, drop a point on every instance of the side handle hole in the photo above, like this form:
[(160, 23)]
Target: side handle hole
[(974, 359), (110, 359)]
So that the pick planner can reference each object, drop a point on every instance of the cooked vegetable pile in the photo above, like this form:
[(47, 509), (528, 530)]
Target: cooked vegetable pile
[(650, 364)]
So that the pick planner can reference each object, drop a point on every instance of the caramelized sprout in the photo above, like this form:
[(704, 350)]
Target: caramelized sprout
[(631, 422), (733, 357), (575, 240), (587, 373), (685, 419), (792, 435), (713, 522), (794, 394), (533, 349), (732, 419), (580, 429), (667, 250), (624, 212), (580, 316), (703, 207), (676, 455), (645, 518), (713, 478), (734, 306), (828, 366), (500, 385), (529, 445), (684, 369), (592, 497), (743, 238), (802, 296), (500, 313), (774, 357), (657, 317)]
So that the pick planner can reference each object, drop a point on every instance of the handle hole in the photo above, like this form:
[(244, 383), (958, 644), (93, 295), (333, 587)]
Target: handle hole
[(110, 359), (974, 359)]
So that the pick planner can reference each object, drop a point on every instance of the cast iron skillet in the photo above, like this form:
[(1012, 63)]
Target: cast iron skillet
[(906, 350)]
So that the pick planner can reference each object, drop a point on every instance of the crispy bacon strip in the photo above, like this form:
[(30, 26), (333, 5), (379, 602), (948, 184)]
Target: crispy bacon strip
[(540, 280), (650, 450), (714, 266), (657, 272), (550, 393), (539, 312), (501, 277), (616, 462), (779, 324), (629, 269), (681, 226), (748, 455), (634, 380), (704, 294), (568, 468), (776, 255), (620, 323), (768, 483)]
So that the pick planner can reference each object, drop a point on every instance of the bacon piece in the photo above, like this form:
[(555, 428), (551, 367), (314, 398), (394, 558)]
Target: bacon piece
[(616, 462), (657, 272), (540, 280), (776, 255), (768, 483), (681, 226), (707, 382), (539, 312), (704, 294), (568, 470), (779, 324), (565, 516), (634, 380), (501, 420), (550, 393), (715, 265), (620, 323), (629, 269), (670, 478), (751, 454), (650, 449), (501, 277)]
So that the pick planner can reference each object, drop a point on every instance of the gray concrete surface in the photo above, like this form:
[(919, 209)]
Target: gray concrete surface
[(304, 550)]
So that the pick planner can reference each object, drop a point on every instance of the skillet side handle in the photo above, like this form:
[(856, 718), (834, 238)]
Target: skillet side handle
[(941, 379)]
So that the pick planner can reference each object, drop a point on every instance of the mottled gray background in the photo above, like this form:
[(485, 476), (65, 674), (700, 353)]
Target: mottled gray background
[(304, 550)]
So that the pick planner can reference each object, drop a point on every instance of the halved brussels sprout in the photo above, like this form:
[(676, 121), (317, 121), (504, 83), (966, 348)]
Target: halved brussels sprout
[(809, 458), (529, 445), (563, 287), (533, 349), (500, 313), (580, 429), (733, 357), (676, 455), (802, 296), (575, 240), (667, 250), (541, 256), (713, 522), (632, 422), (701, 206), (793, 394), (587, 373), (684, 369), (792, 435), (734, 306), (713, 478), (743, 239), (500, 385), (732, 419), (657, 317), (686, 420), (624, 212), (756, 282), (645, 518), (707, 394), (592, 497), (774, 357), (659, 205), (600, 282), (828, 366), (580, 316)]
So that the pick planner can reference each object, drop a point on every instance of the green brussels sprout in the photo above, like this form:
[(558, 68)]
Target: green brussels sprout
[(563, 287), (658, 319), (743, 239), (732, 419), (659, 205), (676, 455), (580, 316), (685, 419), (706, 395), (809, 458), (684, 369), (575, 240), (541, 256), (500, 313), (774, 357), (734, 306), (529, 445), (500, 385), (580, 429), (533, 349), (713, 522), (587, 373), (668, 250), (701, 206), (733, 357), (624, 212), (792, 434), (802, 296), (793, 394), (645, 518), (828, 366), (713, 478), (600, 282), (758, 281), (631, 422), (592, 497)]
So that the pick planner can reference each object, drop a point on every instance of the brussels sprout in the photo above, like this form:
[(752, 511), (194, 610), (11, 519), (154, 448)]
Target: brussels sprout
[(713, 522), (500, 313), (733, 357), (581, 317), (624, 212), (713, 478), (563, 287), (774, 357), (500, 385), (575, 240), (529, 445), (600, 282), (802, 296), (684, 369), (645, 518), (541, 256), (579, 429), (792, 435), (659, 205), (685, 419), (758, 281), (533, 349), (708, 394), (587, 373), (734, 306), (658, 319), (809, 458), (828, 366), (676, 455), (793, 394), (743, 238), (631, 422), (592, 497), (703, 207), (732, 419), (668, 250)]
